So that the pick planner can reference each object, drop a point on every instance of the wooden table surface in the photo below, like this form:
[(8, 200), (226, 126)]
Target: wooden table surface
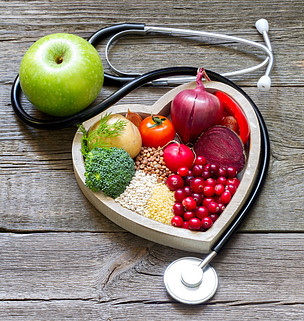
[(60, 259)]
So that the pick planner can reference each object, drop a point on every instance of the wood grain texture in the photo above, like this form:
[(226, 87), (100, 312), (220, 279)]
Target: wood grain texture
[(60, 259), (120, 276)]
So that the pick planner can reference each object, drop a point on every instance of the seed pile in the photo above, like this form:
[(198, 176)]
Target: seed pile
[(151, 161), (159, 205), (138, 192)]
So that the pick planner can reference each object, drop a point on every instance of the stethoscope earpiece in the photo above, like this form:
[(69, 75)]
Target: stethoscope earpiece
[(264, 83), (262, 26)]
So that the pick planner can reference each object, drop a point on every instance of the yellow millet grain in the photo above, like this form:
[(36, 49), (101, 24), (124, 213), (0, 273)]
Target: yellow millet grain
[(159, 205)]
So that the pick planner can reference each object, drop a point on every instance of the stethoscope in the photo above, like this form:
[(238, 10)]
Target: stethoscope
[(189, 280)]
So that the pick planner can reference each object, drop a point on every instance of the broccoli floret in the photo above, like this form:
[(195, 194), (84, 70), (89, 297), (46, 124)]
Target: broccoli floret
[(109, 170)]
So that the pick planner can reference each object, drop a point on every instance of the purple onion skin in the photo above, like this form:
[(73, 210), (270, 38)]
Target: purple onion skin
[(194, 110)]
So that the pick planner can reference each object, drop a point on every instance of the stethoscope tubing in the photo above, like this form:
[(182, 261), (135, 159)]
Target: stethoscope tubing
[(126, 83), (59, 123)]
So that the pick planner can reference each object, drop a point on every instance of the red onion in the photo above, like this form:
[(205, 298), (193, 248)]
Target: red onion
[(194, 110)]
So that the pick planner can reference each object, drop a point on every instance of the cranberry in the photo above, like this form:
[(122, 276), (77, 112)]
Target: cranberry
[(190, 172), (219, 189), (189, 203), (207, 222), (201, 212), (213, 207), (174, 182), (216, 198), (222, 207), (208, 191), (200, 160), (225, 197), (205, 174), (207, 167), (213, 217), (234, 181), (231, 188), (231, 172), (187, 190), (188, 179), (177, 221), (188, 215), (179, 195), (207, 200), (183, 171), (210, 181), (221, 180), (222, 171), (197, 197), (195, 224), (185, 225), (197, 170), (197, 184), (178, 209), (214, 169)]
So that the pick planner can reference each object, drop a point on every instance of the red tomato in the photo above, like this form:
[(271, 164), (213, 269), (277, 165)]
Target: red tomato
[(156, 131)]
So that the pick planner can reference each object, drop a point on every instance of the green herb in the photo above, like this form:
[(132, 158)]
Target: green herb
[(84, 140), (104, 130)]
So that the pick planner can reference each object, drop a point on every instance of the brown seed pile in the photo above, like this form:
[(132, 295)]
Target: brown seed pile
[(151, 161)]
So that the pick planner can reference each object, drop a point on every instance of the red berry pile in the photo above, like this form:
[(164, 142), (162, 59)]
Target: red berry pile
[(201, 194)]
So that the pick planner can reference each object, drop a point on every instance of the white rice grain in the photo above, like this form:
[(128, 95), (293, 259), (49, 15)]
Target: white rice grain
[(138, 192)]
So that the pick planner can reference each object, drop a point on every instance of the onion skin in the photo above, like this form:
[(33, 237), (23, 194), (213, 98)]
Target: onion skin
[(194, 110), (135, 118)]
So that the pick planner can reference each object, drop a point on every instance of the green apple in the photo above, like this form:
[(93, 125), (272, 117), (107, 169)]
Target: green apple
[(61, 74)]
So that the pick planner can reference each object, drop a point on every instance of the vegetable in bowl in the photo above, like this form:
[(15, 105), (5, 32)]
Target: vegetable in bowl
[(109, 170)]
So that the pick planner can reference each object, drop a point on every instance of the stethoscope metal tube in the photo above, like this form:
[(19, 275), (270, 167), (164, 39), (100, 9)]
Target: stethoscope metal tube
[(261, 25)]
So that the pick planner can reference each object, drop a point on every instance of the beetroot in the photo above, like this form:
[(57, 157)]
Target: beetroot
[(221, 146)]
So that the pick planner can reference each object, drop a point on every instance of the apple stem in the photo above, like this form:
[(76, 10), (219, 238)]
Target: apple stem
[(59, 60)]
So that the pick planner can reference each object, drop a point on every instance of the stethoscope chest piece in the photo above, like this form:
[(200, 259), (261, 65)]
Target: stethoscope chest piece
[(186, 282)]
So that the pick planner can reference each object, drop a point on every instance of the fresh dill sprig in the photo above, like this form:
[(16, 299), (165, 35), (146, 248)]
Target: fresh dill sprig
[(84, 140), (95, 138)]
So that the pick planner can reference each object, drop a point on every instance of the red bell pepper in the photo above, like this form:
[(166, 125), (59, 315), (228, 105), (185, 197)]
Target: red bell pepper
[(234, 109)]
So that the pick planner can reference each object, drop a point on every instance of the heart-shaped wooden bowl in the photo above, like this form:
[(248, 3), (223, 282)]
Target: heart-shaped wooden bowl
[(200, 242)]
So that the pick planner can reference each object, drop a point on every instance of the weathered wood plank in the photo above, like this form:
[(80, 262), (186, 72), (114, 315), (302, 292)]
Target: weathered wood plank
[(119, 276), (22, 26), (90, 311)]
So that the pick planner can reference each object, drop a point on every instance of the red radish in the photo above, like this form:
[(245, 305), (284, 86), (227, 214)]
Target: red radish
[(221, 146), (178, 155), (194, 110)]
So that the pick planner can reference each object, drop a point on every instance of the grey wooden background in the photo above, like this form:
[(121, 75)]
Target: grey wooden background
[(60, 259)]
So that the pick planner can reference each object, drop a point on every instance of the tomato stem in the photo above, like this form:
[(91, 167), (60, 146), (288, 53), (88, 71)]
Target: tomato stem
[(157, 120)]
